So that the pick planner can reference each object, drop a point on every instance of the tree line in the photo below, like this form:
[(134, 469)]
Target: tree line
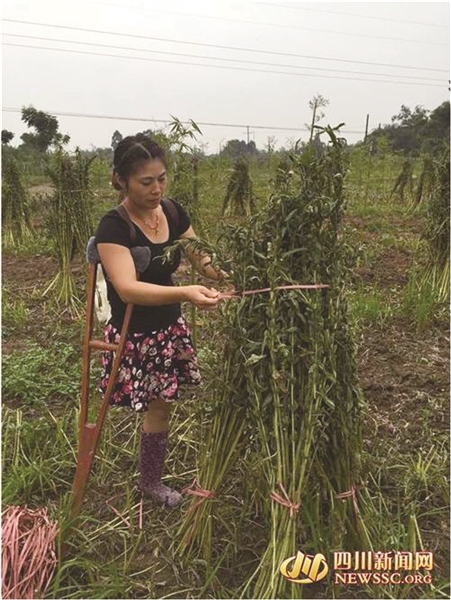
[(411, 132), (415, 132)]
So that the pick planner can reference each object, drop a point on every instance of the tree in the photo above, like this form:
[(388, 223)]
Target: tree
[(7, 136), (239, 148), (415, 131), (437, 130), (117, 137), (46, 130)]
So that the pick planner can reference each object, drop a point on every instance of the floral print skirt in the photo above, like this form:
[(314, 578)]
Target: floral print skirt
[(153, 366)]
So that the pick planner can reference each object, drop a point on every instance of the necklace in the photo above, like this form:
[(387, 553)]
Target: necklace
[(148, 222)]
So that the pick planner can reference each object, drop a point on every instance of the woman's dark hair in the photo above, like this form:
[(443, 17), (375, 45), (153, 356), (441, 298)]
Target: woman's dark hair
[(130, 153)]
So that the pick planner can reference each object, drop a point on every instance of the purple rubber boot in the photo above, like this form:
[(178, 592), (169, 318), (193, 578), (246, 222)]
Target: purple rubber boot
[(151, 460)]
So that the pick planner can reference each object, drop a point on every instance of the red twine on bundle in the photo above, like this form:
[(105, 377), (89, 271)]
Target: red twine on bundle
[(234, 294), (352, 494), (195, 489), (292, 506), (28, 552)]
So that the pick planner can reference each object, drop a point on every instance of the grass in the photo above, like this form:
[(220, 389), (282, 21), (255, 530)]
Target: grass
[(421, 301), (15, 314), (406, 426), (372, 304), (33, 376)]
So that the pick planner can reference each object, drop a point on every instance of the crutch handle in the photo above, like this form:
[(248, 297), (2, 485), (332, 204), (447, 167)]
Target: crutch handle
[(98, 345)]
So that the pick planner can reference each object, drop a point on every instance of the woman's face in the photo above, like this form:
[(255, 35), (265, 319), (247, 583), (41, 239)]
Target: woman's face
[(146, 186)]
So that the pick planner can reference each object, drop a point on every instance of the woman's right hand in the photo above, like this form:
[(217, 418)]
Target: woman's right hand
[(202, 297)]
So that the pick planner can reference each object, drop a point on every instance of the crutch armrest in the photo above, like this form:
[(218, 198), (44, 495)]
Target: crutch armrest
[(141, 255)]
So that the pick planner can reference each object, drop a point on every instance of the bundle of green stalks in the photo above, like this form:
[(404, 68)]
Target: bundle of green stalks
[(239, 198), (437, 231), (288, 402), (16, 213), (425, 182), (185, 189), (404, 181), (69, 220), (185, 183)]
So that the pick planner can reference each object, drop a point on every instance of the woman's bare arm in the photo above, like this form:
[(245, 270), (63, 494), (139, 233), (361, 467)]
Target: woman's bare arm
[(119, 266)]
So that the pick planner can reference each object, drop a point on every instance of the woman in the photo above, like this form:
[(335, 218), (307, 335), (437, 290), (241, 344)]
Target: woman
[(159, 355)]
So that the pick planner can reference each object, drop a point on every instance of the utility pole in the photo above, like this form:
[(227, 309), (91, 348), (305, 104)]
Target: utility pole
[(248, 132), (366, 128)]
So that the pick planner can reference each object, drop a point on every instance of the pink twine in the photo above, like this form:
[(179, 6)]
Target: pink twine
[(352, 494), (234, 294), (28, 552), (195, 489), (292, 506), (116, 512)]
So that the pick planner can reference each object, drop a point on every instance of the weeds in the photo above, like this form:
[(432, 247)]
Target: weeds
[(371, 304), (420, 300), (34, 376), (14, 315)]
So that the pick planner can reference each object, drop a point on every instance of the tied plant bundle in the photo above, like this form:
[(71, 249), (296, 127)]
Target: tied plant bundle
[(288, 404), (239, 198), (437, 231), (69, 220), (16, 211)]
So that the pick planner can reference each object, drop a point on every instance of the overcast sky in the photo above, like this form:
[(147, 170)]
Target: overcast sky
[(255, 64)]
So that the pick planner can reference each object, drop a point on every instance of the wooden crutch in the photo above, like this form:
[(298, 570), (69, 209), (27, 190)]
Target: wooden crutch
[(89, 433)]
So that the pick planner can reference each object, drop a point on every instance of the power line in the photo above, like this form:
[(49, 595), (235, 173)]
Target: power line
[(334, 12), (231, 60), (167, 121), (179, 62), (279, 25), (241, 49)]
